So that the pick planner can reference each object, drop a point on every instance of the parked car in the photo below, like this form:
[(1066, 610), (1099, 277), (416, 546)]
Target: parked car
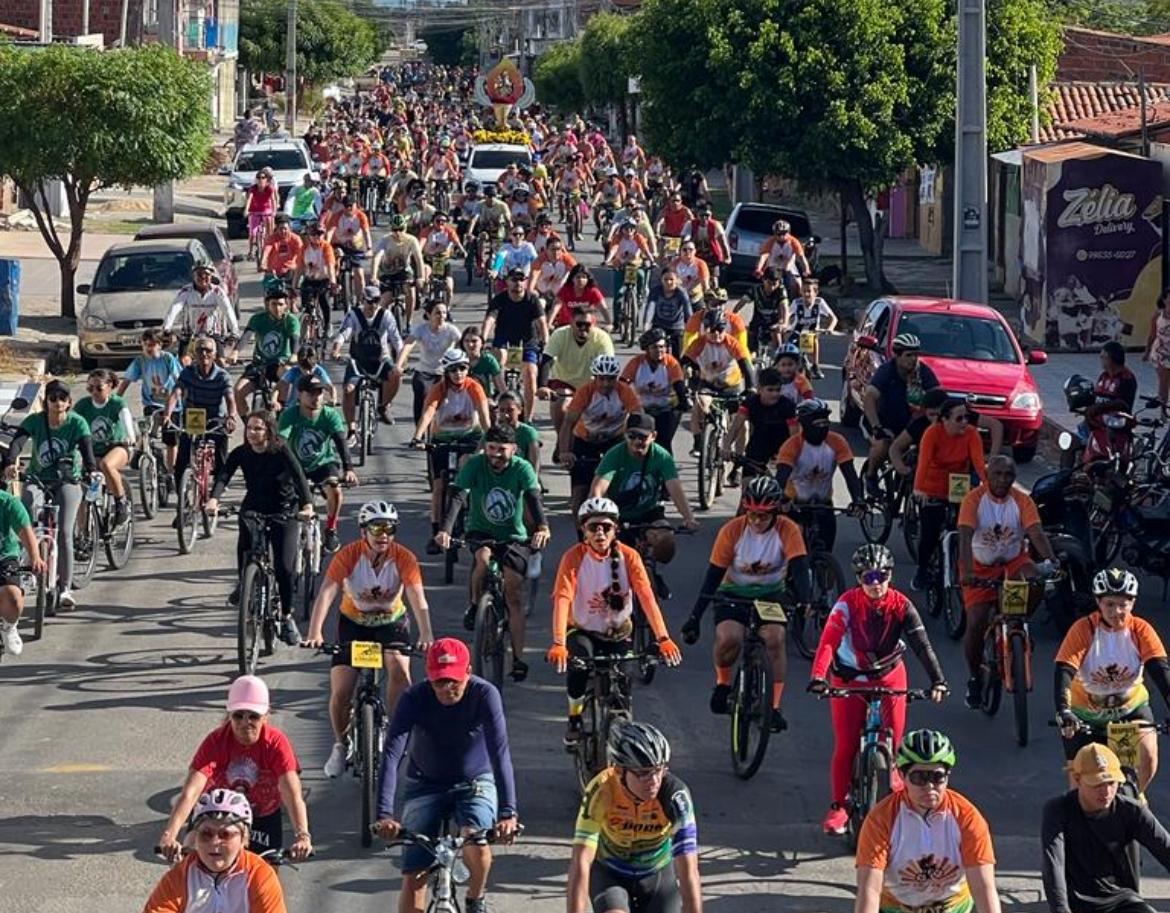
[(750, 225), (133, 288), (489, 160), (289, 160), (213, 240), (970, 347)]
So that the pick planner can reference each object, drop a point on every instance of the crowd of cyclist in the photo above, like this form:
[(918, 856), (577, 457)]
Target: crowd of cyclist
[(543, 337)]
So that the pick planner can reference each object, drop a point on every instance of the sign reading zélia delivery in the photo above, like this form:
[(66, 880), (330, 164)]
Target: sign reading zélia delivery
[(1090, 245)]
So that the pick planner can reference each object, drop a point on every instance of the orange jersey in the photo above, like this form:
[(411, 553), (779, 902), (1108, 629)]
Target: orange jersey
[(783, 255), (187, 888), (372, 585), (813, 466), (735, 327), (602, 415), (718, 361), (458, 410), (1108, 683), (756, 559), (281, 255), (654, 384), (941, 454), (316, 260), (581, 597), (999, 525)]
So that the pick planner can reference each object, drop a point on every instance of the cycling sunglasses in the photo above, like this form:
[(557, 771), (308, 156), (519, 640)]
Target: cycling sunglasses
[(874, 577), (381, 528), (604, 526), (928, 777), (241, 715)]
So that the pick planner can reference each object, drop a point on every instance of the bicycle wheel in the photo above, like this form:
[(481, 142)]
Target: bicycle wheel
[(148, 484), (306, 588), (120, 542), (367, 738), (877, 522), (251, 612), (188, 511), (47, 582), (85, 547), (1018, 659), (209, 521), (828, 583), (709, 467), (643, 639), (585, 754), (912, 527), (166, 483), (992, 675), (751, 712), (41, 603), (369, 425), (488, 657), (871, 785), (953, 614)]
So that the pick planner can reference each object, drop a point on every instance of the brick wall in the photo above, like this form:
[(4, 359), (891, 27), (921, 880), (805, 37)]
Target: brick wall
[(1102, 56), (105, 16)]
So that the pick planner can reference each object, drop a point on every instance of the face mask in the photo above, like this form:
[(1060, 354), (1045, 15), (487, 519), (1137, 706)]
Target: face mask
[(815, 434)]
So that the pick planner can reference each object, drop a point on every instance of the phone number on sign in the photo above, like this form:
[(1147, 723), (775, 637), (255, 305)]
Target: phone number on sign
[(1083, 255)]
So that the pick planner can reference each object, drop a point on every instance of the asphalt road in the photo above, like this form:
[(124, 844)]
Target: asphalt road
[(100, 719)]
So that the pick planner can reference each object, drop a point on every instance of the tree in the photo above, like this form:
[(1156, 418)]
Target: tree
[(557, 77), (94, 119), (332, 41), (607, 61), (445, 44)]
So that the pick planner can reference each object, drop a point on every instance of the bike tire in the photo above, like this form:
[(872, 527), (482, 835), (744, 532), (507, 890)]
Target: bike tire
[(187, 510), (585, 760), (249, 620), (877, 522), (41, 603), (1018, 658), (828, 583), (209, 521), (45, 585), (935, 595), (954, 615), (488, 657), (166, 484), (912, 528), (367, 742), (643, 640), (992, 676), (709, 466), (86, 539), (872, 785), (148, 484), (370, 424), (751, 713), (120, 543)]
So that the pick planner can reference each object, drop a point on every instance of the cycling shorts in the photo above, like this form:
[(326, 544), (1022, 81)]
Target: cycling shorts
[(353, 372), (348, 631), (10, 573), (588, 456), (516, 557), (740, 613), (329, 472), (531, 348), (269, 370), (653, 893), (973, 595)]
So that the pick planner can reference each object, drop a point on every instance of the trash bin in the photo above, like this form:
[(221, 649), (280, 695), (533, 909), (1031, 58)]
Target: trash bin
[(9, 297)]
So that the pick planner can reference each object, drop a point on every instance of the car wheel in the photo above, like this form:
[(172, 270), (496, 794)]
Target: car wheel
[(236, 227), (1024, 453)]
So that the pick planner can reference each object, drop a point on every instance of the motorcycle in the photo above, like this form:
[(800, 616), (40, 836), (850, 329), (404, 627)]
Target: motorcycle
[(1062, 499)]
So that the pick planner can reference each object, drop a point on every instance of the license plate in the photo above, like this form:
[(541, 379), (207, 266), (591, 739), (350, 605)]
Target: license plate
[(771, 611), (1123, 738), (515, 357), (130, 339), (631, 272), (365, 655), (958, 487), (1013, 598)]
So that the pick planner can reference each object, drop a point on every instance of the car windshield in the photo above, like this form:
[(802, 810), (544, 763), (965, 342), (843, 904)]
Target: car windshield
[(759, 221), (954, 336), (143, 272), (493, 159), (276, 159)]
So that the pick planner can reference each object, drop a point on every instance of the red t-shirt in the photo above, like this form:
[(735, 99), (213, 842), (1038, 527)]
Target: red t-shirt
[(570, 298), (252, 770)]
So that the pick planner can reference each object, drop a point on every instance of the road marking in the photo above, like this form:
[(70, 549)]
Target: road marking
[(76, 769)]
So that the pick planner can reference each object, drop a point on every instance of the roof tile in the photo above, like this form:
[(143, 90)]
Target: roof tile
[(1075, 108)]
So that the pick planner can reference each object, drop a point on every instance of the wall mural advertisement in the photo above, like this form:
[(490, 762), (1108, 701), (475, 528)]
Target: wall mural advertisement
[(1090, 246)]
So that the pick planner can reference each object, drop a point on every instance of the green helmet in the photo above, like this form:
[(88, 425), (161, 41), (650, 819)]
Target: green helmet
[(925, 746), (398, 222)]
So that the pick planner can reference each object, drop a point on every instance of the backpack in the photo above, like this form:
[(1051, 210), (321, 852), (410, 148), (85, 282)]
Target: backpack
[(366, 349)]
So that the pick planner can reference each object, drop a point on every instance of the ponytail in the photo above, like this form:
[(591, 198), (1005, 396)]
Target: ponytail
[(616, 598)]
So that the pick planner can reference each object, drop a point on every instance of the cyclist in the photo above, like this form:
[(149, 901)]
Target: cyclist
[(282, 252), (714, 300), (304, 202), (317, 271), (278, 335), (203, 385), (668, 308), (609, 195), (753, 557), (246, 753), (793, 384), (694, 188), (769, 301), (1077, 876), (579, 293), (925, 846), (810, 313), (709, 237), (894, 391), (456, 410), (16, 532), (494, 214), (721, 365), (949, 447), (861, 646), (1099, 670), (482, 363), (434, 336), (452, 728), (996, 521), (672, 222), (550, 272), (306, 364), (693, 275), (201, 307), (514, 317), (636, 819), (112, 429), (806, 463), (911, 436), (439, 243), (498, 489), (375, 576), (398, 259), (628, 249), (571, 351), (593, 604), (594, 421), (770, 416), (350, 233), (658, 379), (221, 867), (57, 434), (542, 232), (157, 370), (375, 345), (262, 198), (517, 254), (784, 253)]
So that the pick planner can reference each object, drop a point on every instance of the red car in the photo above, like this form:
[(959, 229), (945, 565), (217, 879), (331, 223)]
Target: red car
[(971, 349)]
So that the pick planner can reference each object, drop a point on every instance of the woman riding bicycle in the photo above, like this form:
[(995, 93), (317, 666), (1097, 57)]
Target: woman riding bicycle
[(861, 647), (593, 604), (262, 198), (113, 431), (434, 336)]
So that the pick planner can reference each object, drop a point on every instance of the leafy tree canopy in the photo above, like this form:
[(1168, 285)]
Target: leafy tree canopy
[(557, 77), (332, 40)]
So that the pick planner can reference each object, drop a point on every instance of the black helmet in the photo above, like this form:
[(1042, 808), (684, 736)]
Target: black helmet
[(714, 319), (762, 493), (651, 337), (872, 557), (810, 410), (1078, 392)]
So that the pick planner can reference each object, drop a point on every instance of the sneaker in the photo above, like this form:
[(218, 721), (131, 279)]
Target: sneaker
[(336, 765), (10, 637), (121, 511), (65, 599), (696, 447), (719, 696), (920, 582), (519, 670), (433, 547), (836, 821), (289, 632), (476, 905), (469, 618), (573, 731), (779, 724), (331, 542), (385, 417), (974, 692), (733, 478), (234, 595)]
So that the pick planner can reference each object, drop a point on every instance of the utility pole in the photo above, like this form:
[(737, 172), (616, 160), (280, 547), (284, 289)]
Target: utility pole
[(85, 17), (46, 21), (168, 34), (125, 22), (1034, 102), (290, 71), (970, 235)]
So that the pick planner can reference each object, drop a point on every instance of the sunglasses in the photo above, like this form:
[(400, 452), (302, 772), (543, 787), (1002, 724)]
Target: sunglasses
[(647, 773), (241, 715), (583, 326), (600, 526), (873, 578), (94, 388), (57, 397), (381, 529), (207, 834), (637, 436), (460, 368), (928, 777), (447, 684)]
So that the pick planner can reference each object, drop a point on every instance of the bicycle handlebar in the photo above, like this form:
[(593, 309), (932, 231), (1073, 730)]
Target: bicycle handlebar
[(427, 842), (585, 664), (1084, 726), (338, 649), (275, 857), (911, 694)]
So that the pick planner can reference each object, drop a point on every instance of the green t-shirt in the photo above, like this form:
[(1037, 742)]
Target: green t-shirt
[(526, 436), (50, 444), (635, 483), (105, 422), (496, 500), (273, 337), (13, 518), (311, 439), (485, 371)]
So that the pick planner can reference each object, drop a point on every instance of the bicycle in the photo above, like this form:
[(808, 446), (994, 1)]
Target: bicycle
[(156, 483), (86, 533), (45, 521), (628, 305), (365, 733), (943, 596), (895, 501), (437, 290), (366, 413), (713, 431), (263, 390), (259, 608), (258, 240), (453, 450), (608, 698), (828, 579), (196, 480), (870, 781), (97, 514), (314, 293), (397, 291), (492, 633)]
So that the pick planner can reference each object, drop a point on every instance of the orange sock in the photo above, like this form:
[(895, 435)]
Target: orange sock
[(777, 693), (723, 675)]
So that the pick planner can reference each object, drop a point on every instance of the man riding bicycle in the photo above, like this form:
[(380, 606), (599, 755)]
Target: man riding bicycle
[(201, 307), (278, 335)]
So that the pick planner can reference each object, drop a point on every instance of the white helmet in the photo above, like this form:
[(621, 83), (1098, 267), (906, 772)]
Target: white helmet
[(1115, 581), (605, 366), (453, 358), (223, 805), (374, 511), (597, 507), (634, 745)]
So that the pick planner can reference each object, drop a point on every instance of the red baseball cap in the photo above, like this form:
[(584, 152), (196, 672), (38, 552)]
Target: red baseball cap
[(448, 657)]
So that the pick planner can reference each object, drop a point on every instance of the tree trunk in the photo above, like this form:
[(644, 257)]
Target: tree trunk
[(874, 275), (68, 267)]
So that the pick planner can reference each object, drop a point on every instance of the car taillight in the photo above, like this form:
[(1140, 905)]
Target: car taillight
[(733, 240)]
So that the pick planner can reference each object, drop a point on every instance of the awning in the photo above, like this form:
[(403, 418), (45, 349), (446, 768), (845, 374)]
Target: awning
[(1010, 157)]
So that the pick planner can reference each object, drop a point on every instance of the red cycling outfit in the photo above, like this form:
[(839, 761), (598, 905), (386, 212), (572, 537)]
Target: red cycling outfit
[(862, 646)]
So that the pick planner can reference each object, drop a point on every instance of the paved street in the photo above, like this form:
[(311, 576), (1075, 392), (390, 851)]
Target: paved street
[(100, 719)]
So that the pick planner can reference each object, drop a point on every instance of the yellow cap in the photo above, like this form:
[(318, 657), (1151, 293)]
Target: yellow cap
[(1096, 764)]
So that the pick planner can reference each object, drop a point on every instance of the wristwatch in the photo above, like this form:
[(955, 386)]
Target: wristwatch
[(304, 835)]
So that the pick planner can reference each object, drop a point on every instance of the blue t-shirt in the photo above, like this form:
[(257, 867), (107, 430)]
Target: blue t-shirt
[(894, 407), (293, 375), (158, 376)]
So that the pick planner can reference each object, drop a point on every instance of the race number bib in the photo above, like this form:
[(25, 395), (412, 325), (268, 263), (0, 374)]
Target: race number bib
[(365, 655), (958, 486)]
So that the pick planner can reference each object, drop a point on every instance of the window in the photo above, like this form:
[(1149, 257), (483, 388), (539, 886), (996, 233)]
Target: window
[(953, 336), (498, 159), (143, 272), (276, 159)]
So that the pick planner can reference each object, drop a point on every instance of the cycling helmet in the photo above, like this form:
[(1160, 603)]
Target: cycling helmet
[(605, 366), (781, 225), (810, 410), (373, 293), (597, 507), (520, 189), (374, 511), (204, 267), (762, 493), (872, 557), (925, 746), (1115, 581), (544, 219), (715, 295), (224, 805), (788, 350), (634, 745), (714, 320), (611, 172), (628, 223), (906, 342), (471, 186), (651, 338), (1079, 392), (274, 288), (452, 358), (398, 222)]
